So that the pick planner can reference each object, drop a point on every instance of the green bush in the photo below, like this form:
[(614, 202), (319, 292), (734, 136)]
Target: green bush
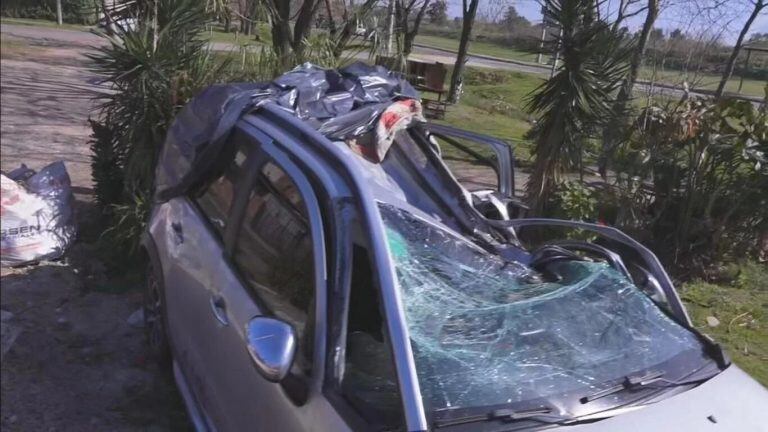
[(153, 73), (106, 164), (695, 175), (574, 200), (753, 275)]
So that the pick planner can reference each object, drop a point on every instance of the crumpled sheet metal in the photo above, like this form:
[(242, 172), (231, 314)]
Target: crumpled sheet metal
[(486, 331), (341, 104)]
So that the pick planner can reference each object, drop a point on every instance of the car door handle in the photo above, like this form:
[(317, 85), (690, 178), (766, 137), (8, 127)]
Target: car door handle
[(219, 310), (178, 232)]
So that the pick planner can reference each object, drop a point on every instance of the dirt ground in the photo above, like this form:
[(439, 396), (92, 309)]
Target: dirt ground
[(75, 363)]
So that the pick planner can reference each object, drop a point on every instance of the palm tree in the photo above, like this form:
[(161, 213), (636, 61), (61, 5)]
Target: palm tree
[(575, 102), (152, 67)]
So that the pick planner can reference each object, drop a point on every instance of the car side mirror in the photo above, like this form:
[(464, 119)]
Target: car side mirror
[(272, 346)]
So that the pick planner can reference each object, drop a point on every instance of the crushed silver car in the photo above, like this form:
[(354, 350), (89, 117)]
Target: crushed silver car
[(322, 258)]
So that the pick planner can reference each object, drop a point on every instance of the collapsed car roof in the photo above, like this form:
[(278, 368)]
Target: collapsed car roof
[(376, 114)]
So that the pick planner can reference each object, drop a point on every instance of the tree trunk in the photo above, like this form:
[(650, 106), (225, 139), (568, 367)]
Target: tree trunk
[(546, 169), (282, 40), (349, 26), (637, 57), (612, 134), (410, 35), (461, 58), (303, 26), (759, 5)]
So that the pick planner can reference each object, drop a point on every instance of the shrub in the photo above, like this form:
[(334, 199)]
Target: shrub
[(106, 165), (574, 200), (153, 72), (700, 178)]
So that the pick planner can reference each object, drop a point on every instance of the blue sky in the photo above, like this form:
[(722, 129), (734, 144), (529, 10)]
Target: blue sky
[(674, 16)]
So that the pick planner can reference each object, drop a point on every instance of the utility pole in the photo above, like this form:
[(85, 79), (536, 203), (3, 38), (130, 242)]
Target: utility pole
[(59, 18), (391, 27), (541, 45)]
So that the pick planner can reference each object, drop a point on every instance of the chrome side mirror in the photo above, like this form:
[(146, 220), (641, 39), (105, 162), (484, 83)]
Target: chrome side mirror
[(272, 346)]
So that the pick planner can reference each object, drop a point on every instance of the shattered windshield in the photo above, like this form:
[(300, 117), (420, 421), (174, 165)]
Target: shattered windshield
[(488, 332)]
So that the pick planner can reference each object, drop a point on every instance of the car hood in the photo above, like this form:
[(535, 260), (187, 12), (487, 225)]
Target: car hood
[(730, 401)]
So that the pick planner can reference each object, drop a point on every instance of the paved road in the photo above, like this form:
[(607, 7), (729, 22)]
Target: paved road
[(52, 36)]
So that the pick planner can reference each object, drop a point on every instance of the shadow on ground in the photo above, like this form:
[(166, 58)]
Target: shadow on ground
[(77, 364)]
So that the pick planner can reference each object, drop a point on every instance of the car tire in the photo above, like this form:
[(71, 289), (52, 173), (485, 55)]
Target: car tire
[(156, 318)]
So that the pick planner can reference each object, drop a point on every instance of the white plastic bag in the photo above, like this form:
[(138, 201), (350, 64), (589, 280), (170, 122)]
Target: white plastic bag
[(36, 214)]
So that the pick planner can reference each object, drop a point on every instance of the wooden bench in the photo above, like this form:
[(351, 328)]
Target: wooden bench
[(430, 77), (425, 77)]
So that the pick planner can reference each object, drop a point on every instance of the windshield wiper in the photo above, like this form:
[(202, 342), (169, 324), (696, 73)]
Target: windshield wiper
[(543, 414), (630, 382), (633, 382)]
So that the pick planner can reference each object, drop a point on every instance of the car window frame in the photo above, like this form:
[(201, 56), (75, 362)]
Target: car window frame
[(504, 165), (339, 209), (192, 197), (264, 150)]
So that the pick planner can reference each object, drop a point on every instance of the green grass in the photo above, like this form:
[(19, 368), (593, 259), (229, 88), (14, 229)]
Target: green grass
[(742, 309), (479, 48), (492, 104), (43, 23), (750, 87), (706, 81), (261, 36)]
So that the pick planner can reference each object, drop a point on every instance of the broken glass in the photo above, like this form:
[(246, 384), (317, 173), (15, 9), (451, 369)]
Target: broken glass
[(485, 331)]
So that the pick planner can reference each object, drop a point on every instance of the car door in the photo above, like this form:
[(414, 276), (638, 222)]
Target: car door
[(275, 250), (481, 164), (191, 230)]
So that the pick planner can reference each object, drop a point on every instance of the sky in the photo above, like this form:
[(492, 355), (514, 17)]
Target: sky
[(672, 16)]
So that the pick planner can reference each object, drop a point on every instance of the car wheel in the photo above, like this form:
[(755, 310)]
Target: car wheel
[(155, 319)]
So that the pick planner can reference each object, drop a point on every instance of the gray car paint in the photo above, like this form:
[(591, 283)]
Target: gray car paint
[(213, 356), (735, 401), (214, 362)]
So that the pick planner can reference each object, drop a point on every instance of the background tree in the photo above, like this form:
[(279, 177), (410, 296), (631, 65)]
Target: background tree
[(408, 17), (437, 12), (512, 19), (468, 13), (758, 37), (758, 6), (575, 103), (613, 134), (676, 34), (350, 16), (290, 30), (292, 22), (657, 35)]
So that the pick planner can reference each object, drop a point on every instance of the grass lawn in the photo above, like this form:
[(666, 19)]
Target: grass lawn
[(705, 81), (492, 104), (261, 37), (742, 310), (481, 48)]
